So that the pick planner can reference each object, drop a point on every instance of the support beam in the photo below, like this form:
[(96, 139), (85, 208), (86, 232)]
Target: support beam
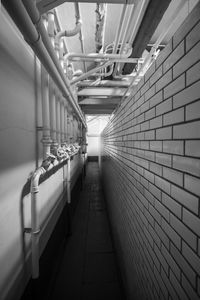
[(99, 92), (152, 17), (45, 5)]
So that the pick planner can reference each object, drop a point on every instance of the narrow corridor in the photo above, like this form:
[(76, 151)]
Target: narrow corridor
[(88, 269)]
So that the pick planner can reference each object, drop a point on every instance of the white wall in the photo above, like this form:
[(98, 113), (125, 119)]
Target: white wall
[(20, 154)]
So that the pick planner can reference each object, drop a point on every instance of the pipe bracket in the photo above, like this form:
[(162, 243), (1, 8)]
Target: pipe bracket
[(29, 230)]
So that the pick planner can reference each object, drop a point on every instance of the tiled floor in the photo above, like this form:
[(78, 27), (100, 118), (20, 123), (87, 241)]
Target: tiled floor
[(88, 270)]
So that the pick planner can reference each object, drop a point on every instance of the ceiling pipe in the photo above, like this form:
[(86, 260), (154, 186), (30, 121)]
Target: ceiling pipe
[(104, 83), (125, 36), (68, 33), (151, 56), (81, 38), (119, 28), (91, 72), (120, 60), (43, 48)]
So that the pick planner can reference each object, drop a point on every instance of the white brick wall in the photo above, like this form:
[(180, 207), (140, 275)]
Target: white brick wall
[(151, 173)]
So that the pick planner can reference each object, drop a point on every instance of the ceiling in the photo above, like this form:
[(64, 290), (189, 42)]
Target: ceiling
[(150, 22)]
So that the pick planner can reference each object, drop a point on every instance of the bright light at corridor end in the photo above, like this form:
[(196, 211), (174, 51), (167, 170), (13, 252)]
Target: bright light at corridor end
[(96, 123)]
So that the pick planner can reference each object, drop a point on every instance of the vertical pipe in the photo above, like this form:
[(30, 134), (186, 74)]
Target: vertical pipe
[(68, 181), (52, 101), (35, 226), (46, 140), (62, 120), (66, 125), (58, 131)]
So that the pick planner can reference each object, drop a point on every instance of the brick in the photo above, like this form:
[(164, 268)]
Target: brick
[(161, 258), (174, 57), (192, 184), (170, 288), (189, 290), (150, 114), (178, 288), (192, 111), (193, 37), (156, 99), (156, 145), (192, 148), (156, 122), (176, 116), (164, 80), (140, 118), (157, 74), (164, 133), (149, 196), (193, 74), (173, 147), (185, 198), (187, 131), (141, 83), (162, 210), (144, 145), (172, 205), (162, 184), (173, 176), (174, 237), (186, 164), (183, 231), (164, 54), (191, 221), (155, 168), (145, 88), (191, 257), (188, 23), (149, 135), (187, 61), (150, 71), (174, 87), (183, 264), (150, 155), (171, 262), (155, 191), (164, 238), (164, 107), (150, 93), (144, 107), (187, 96), (163, 159), (155, 214)]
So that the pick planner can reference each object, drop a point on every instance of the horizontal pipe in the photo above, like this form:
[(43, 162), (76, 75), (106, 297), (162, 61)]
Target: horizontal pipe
[(113, 60), (71, 56), (91, 72)]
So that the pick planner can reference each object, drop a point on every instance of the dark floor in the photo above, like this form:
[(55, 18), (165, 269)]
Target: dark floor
[(88, 269)]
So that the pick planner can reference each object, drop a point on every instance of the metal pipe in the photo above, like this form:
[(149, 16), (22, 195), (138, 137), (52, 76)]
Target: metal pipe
[(78, 16), (46, 55), (52, 100), (35, 224), (151, 54), (46, 139), (62, 120), (125, 36), (91, 72), (112, 60), (58, 129), (119, 28), (72, 56), (68, 33), (68, 181)]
